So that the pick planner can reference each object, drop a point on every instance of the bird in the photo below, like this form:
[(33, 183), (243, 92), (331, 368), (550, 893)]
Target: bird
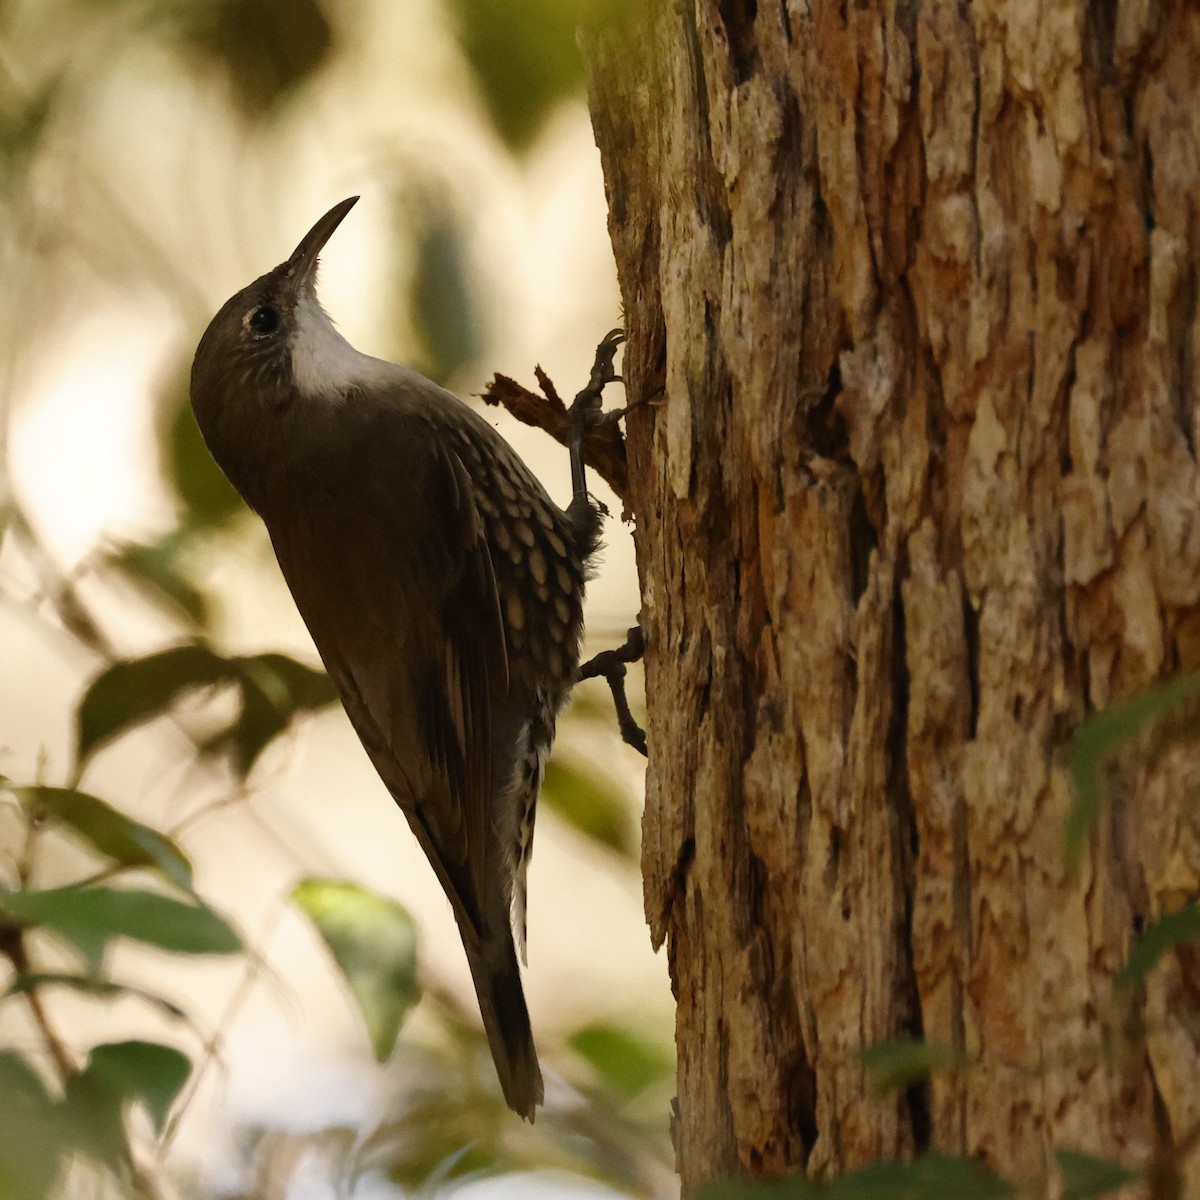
[(442, 586)]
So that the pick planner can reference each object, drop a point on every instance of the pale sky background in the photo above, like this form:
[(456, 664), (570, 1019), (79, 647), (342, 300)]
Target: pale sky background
[(150, 147)]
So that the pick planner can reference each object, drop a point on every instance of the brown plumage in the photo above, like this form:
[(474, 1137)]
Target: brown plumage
[(441, 585)]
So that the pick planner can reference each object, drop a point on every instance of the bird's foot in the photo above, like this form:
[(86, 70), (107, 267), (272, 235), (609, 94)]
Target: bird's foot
[(585, 412), (609, 665)]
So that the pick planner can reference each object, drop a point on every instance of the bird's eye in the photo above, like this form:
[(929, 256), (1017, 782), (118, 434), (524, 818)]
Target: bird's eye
[(263, 321)]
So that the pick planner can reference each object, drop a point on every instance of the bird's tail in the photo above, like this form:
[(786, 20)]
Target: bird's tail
[(497, 979)]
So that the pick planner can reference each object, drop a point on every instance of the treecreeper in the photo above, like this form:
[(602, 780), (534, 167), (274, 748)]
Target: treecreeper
[(442, 586)]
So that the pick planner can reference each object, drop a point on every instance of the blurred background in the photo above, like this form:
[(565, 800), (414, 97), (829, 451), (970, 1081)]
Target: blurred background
[(155, 156)]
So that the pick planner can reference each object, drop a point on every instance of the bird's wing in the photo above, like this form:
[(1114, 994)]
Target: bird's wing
[(390, 570)]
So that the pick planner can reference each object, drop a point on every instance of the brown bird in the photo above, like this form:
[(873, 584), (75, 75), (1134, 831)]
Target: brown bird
[(441, 584)]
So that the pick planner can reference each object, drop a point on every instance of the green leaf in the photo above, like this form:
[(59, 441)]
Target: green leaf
[(627, 1063), (258, 724), (111, 833), (900, 1062), (95, 1121), (299, 685), (144, 1072), (441, 295), (265, 48), (30, 1143), (24, 119), (1175, 929), (524, 56), (19, 1081), (118, 1075), (590, 803), (933, 1174), (137, 689), (1098, 741), (207, 498), (1084, 1176), (90, 985), (797, 1188), (155, 569), (374, 942), (89, 918), (272, 689)]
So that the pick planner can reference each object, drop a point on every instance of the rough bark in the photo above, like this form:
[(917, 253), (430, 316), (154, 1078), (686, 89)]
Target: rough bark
[(911, 292)]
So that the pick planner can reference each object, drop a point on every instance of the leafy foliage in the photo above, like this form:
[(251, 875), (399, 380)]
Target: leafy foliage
[(138, 1072), (30, 1154), (933, 1174), (89, 985), (155, 570), (524, 59), (133, 691), (374, 943), (272, 688), (1101, 738), (206, 496), (89, 918), (590, 803), (627, 1062), (38, 1132), (24, 119), (441, 296), (900, 1062), (452, 1122), (117, 1076), (1085, 1176), (109, 832), (1165, 934), (265, 49)]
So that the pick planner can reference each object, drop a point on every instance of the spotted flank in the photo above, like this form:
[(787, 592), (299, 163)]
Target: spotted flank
[(539, 555), (527, 783)]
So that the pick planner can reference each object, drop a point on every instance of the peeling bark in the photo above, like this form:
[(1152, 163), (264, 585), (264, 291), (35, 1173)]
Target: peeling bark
[(911, 292)]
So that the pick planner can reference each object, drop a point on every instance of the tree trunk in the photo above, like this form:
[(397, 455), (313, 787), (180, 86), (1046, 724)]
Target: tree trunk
[(912, 300)]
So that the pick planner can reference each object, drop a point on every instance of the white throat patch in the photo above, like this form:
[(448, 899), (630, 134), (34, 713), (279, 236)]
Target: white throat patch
[(324, 365)]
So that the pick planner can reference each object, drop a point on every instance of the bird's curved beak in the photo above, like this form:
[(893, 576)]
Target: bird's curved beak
[(302, 266)]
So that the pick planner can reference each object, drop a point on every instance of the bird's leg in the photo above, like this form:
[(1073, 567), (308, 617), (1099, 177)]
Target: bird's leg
[(585, 413), (610, 666)]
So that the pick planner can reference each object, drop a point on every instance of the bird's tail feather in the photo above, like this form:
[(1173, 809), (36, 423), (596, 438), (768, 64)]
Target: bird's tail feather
[(497, 979)]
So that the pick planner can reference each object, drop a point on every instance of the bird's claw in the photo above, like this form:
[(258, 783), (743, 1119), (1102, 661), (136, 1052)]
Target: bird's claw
[(609, 665), (602, 367), (585, 412)]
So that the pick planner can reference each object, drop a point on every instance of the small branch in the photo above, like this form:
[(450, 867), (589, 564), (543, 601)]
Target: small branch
[(57, 1047), (212, 1048), (603, 444), (34, 819), (609, 665), (58, 589), (12, 946), (145, 1183)]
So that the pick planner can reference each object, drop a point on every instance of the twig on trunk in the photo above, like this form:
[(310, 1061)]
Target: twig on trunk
[(603, 444)]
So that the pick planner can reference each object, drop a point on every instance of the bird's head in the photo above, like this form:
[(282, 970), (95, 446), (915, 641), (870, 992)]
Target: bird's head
[(270, 345), (262, 335)]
